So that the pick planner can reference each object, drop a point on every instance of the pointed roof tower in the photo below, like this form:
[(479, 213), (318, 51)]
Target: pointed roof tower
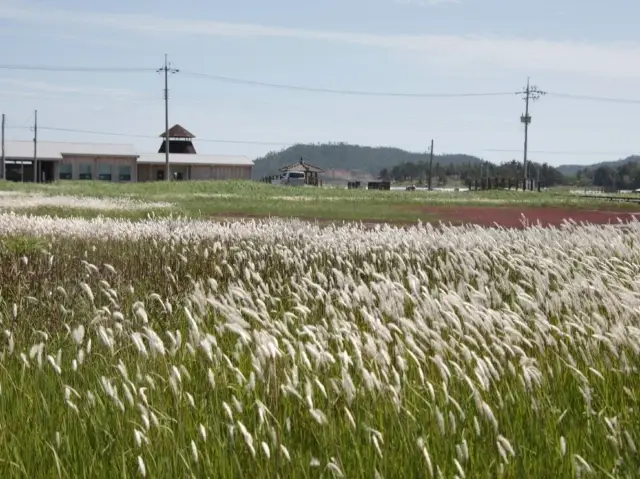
[(179, 140)]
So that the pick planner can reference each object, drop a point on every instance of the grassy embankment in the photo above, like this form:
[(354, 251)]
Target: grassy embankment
[(220, 200)]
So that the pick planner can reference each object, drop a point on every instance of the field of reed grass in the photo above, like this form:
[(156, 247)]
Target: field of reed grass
[(182, 348)]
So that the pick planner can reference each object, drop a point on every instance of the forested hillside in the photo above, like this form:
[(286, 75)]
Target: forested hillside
[(354, 161), (574, 169), (620, 175), (357, 159)]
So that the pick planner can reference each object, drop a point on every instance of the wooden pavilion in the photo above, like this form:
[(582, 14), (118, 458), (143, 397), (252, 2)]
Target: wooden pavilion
[(310, 171), (180, 140)]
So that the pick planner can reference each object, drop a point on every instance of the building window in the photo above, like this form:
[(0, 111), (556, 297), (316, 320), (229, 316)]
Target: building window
[(124, 173), (85, 172), (104, 173), (66, 171)]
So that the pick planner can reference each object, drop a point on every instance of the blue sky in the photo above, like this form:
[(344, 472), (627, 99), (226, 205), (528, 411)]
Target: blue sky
[(406, 46)]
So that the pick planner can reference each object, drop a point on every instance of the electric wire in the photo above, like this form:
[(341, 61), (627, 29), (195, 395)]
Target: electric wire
[(292, 143), (303, 88)]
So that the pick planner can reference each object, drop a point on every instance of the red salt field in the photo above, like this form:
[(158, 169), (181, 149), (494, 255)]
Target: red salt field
[(512, 217)]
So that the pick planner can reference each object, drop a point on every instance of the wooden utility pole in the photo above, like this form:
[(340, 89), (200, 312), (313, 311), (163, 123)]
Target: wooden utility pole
[(35, 147), (2, 157), (430, 165), (166, 68), (530, 93)]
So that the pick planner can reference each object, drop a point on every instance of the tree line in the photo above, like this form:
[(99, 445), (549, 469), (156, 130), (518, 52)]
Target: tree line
[(418, 172), (611, 177)]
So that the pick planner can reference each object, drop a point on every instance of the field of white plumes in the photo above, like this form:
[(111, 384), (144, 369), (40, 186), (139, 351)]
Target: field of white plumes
[(18, 200), (173, 348)]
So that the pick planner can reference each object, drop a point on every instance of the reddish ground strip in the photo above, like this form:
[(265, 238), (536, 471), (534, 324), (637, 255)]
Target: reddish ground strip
[(487, 216), (511, 217)]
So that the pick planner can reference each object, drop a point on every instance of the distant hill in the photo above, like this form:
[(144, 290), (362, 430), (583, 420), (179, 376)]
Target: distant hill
[(358, 160), (573, 169)]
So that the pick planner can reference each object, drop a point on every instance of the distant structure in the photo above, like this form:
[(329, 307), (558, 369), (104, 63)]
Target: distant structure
[(186, 164), (310, 171), (121, 162), (179, 141)]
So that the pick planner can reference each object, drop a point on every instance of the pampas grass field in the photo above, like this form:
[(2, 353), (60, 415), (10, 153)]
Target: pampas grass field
[(181, 348)]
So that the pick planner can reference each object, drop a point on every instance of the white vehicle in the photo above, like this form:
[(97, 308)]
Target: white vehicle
[(291, 178)]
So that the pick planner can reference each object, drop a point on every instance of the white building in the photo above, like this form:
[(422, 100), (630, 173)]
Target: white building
[(120, 162)]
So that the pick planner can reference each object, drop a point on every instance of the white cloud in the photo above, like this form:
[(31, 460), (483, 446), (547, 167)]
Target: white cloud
[(619, 60)]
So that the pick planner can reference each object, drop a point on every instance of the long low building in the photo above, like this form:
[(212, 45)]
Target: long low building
[(120, 162), (194, 167)]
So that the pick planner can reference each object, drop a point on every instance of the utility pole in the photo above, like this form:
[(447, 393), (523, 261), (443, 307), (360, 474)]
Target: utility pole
[(166, 68), (530, 93), (35, 147), (430, 165), (2, 157)]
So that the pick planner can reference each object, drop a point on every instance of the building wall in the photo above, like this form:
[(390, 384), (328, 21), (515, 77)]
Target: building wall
[(79, 166), (221, 172), (197, 172), (201, 172), (144, 172), (148, 172)]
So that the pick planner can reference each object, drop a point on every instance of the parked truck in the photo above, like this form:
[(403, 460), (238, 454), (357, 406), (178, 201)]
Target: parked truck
[(290, 178)]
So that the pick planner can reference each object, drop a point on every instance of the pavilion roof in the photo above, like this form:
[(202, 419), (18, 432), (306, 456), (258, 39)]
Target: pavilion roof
[(302, 166), (178, 131)]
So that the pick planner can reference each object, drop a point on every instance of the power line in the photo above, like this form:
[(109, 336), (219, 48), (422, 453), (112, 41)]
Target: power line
[(88, 132), (291, 143), (23, 124), (258, 83), (560, 152), (241, 81), (153, 137), (340, 91), (571, 96), (53, 68)]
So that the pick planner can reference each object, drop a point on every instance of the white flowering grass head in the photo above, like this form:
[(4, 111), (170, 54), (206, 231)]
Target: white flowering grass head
[(277, 347), (17, 201)]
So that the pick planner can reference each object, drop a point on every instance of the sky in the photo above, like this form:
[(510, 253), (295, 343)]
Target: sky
[(571, 49)]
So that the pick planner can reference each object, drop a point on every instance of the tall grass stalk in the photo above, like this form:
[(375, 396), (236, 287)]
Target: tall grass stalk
[(170, 348)]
